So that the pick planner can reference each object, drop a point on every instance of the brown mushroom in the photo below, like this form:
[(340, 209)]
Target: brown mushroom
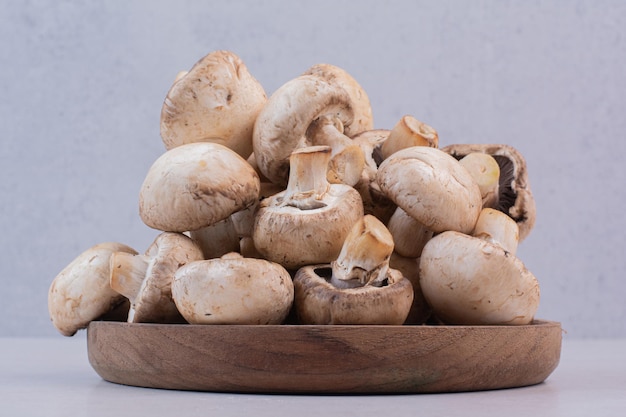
[(358, 287), (515, 196)]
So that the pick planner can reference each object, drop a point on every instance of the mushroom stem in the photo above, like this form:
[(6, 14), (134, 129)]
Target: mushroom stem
[(347, 159), (128, 272), (217, 239), (364, 256), (486, 172), (409, 132), (307, 178), (498, 228)]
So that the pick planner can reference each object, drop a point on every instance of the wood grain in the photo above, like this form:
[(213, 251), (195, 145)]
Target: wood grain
[(324, 359)]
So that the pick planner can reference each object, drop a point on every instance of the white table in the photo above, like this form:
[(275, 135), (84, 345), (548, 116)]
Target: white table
[(52, 377)]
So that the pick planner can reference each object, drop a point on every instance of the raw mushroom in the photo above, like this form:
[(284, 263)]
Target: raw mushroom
[(196, 185), (233, 290), (281, 126), (217, 239), (486, 172), (218, 100), (146, 279), (432, 187), (374, 201), (346, 159), (406, 133), (409, 235), (515, 197), (363, 119), (81, 292), (358, 287), (468, 280), (307, 223), (420, 311)]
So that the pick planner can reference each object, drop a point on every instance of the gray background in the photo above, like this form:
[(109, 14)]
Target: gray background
[(82, 85)]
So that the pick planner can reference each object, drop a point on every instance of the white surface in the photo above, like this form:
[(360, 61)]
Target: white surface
[(52, 377), (82, 85)]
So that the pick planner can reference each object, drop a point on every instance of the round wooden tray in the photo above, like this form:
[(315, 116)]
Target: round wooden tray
[(324, 359)]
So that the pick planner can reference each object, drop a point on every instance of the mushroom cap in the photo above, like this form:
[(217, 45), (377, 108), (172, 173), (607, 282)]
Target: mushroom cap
[(363, 118), (281, 126), (432, 187), (317, 301), (467, 280), (81, 293), (233, 290), (294, 237), (409, 267), (516, 198), (218, 100), (168, 253), (196, 185)]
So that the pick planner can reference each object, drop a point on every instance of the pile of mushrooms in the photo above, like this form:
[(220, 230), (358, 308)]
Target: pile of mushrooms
[(294, 209)]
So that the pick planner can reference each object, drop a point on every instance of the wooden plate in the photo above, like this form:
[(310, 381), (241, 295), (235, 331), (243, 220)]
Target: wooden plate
[(324, 359)]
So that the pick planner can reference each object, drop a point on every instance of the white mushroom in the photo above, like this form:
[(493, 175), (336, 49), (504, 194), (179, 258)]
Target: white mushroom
[(218, 100), (468, 280), (409, 132), (363, 119), (308, 222), (81, 292), (233, 290), (146, 279), (515, 197), (196, 185), (486, 172), (432, 187), (358, 287), (282, 124), (409, 235)]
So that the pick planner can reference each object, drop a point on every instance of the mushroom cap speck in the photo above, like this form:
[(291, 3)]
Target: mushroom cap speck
[(196, 185)]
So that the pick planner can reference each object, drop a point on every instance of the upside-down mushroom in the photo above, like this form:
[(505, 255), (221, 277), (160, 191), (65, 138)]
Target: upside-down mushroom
[(358, 287), (308, 222)]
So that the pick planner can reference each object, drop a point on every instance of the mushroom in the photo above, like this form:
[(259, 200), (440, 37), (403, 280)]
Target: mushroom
[(347, 159), (409, 235), (406, 133), (233, 290), (358, 287), (81, 292), (281, 126), (196, 185), (307, 223), (363, 119), (217, 239), (146, 279), (374, 201), (515, 197), (473, 280), (432, 187), (420, 311), (486, 172), (218, 100)]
